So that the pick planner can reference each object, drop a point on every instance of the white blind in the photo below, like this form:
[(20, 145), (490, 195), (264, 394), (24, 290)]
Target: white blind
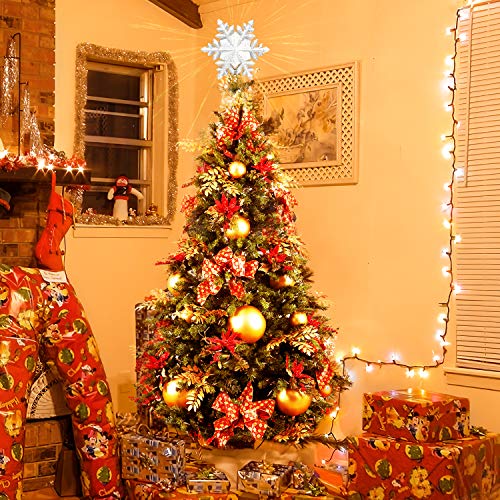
[(477, 196)]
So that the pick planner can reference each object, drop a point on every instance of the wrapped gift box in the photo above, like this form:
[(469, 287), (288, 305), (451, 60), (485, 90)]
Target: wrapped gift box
[(139, 490), (153, 460), (381, 467), (207, 480), (264, 479), (416, 415)]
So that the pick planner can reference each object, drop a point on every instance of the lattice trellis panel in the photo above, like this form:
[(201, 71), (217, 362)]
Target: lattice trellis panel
[(344, 171)]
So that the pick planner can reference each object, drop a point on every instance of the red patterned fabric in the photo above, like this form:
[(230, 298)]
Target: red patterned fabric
[(384, 468), (417, 416), (211, 273), (42, 316), (244, 413)]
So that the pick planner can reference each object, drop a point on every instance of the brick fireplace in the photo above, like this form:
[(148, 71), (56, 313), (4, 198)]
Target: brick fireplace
[(35, 21)]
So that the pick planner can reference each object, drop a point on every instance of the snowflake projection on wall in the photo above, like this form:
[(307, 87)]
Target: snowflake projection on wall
[(235, 49)]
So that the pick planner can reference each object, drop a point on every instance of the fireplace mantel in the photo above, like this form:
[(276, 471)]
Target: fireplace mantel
[(33, 174)]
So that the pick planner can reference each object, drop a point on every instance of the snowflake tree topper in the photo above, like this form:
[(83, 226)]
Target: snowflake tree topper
[(235, 49)]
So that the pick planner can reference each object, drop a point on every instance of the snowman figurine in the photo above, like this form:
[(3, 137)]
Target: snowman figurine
[(120, 193)]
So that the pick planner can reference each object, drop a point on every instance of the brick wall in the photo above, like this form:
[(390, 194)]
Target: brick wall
[(35, 20)]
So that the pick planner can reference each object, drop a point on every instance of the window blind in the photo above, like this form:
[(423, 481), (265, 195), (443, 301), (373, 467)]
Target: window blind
[(477, 194)]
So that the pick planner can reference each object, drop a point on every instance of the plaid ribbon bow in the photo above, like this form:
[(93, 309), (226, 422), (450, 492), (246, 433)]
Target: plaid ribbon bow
[(211, 270), (243, 413)]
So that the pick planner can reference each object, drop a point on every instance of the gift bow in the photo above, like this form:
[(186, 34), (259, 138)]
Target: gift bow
[(211, 270), (244, 413)]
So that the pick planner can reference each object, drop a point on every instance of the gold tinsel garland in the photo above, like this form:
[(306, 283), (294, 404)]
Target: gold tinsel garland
[(88, 51)]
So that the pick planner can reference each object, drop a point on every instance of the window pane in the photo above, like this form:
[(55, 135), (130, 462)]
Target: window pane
[(112, 85), (112, 126), (106, 160), (113, 106)]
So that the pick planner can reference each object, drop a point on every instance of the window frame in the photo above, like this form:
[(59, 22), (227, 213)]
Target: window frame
[(164, 125), (477, 342)]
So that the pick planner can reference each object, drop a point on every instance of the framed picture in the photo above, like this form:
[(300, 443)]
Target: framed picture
[(312, 120)]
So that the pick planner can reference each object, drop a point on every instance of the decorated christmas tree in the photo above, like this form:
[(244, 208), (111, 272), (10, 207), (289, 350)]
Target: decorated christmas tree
[(242, 351)]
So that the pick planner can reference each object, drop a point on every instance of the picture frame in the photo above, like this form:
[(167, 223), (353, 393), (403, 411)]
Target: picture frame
[(311, 118)]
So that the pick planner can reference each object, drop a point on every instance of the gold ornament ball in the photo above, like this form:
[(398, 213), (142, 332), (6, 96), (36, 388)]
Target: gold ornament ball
[(281, 282), (186, 315), (298, 318), (174, 283), (326, 391), (292, 402), (248, 323), (237, 169), (238, 228), (173, 396)]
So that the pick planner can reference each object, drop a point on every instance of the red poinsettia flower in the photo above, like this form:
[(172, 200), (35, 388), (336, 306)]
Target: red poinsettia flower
[(296, 369), (264, 166), (228, 340), (274, 256), (227, 207), (154, 363)]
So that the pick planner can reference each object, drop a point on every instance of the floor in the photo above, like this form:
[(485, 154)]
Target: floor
[(46, 494)]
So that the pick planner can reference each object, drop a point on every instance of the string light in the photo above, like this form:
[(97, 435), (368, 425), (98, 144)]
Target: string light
[(457, 173)]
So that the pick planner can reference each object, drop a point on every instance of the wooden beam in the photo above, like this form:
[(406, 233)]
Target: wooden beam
[(184, 10)]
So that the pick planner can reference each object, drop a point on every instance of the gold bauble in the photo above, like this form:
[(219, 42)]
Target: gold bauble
[(292, 402), (281, 282), (173, 396), (186, 315), (298, 318), (239, 227), (237, 169), (174, 283), (248, 323), (326, 391)]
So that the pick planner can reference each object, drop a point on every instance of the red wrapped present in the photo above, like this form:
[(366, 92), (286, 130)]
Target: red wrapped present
[(416, 415), (383, 468)]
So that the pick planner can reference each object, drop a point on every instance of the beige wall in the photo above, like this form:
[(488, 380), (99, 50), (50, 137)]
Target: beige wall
[(374, 246)]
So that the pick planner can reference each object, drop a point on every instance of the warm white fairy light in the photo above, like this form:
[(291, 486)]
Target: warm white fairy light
[(356, 351), (394, 357), (458, 173)]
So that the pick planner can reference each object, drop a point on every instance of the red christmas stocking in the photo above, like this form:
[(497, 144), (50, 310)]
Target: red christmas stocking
[(59, 220)]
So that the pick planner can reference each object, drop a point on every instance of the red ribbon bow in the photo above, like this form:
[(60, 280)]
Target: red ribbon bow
[(211, 270), (244, 413), (324, 376)]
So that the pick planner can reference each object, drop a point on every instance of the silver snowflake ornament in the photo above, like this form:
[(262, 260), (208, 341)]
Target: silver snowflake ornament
[(235, 49)]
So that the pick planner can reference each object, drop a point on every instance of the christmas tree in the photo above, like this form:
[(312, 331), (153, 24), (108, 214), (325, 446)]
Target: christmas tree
[(242, 350)]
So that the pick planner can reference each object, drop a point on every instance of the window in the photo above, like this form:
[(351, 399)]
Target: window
[(127, 125), (477, 194), (118, 131)]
